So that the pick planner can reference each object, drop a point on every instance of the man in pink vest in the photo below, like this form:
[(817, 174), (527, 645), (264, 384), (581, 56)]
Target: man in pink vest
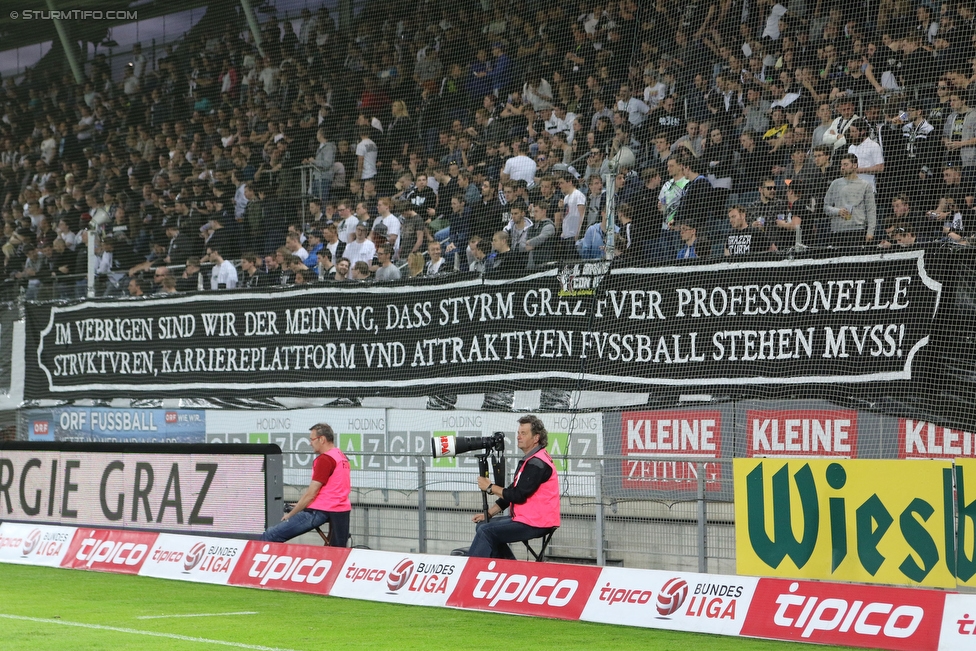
[(327, 497), (533, 497)]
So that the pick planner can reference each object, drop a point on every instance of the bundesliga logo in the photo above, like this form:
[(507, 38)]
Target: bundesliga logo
[(31, 542), (672, 596), (194, 556), (399, 575)]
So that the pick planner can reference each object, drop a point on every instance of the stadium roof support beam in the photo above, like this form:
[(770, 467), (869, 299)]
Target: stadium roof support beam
[(69, 48), (252, 22)]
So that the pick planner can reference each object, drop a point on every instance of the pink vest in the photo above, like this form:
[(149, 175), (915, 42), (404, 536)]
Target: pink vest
[(542, 508), (334, 496)]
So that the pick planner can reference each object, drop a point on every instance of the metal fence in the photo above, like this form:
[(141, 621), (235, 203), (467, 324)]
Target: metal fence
[(683, 521)]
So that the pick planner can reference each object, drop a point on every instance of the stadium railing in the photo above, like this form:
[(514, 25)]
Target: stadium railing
[(681, 523)]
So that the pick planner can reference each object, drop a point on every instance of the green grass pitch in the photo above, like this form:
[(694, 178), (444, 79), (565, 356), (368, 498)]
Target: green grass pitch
[(44, 609)]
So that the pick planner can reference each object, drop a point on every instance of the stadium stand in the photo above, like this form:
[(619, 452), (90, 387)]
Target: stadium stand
[(434, 125)]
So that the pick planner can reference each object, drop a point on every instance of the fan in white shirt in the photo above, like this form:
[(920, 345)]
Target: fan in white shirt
[(574, 206), (360, 249), (224, 273), (870, 158), (553, 124), (268, 76), (519, 167), (391, 221), (293, 242), (636, 109), (71, 240), (346, 222), (654, 91), (366, 153)]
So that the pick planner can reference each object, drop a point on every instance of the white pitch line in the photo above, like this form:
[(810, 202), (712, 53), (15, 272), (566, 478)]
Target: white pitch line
[(243, 612), (133, 631)]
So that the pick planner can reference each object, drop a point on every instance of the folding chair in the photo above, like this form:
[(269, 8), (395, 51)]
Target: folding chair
[(325, 535), (546, 538)]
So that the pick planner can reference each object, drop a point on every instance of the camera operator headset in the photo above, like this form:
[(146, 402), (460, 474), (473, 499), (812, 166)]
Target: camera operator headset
[(533, 497)]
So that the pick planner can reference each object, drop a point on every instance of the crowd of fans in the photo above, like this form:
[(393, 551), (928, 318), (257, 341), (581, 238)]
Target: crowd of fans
[(467, 136)]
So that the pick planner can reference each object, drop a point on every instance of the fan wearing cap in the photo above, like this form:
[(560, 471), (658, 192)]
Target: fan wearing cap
[(180, 246), (378, 235), (698, 200)]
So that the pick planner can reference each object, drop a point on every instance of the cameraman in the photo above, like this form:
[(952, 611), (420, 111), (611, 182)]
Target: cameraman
[(327, 497), (533, 496)]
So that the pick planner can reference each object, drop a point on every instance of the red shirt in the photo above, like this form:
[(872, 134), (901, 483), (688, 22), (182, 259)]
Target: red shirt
[(322, 468)]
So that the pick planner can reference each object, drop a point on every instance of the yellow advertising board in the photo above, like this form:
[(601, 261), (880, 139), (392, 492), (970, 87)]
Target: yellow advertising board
[(861, 520), (966, 512)]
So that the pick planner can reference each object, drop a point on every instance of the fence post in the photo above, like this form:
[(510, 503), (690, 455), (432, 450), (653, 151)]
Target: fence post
[(598, 523), (366, 526), (702, 519), (421, 506)]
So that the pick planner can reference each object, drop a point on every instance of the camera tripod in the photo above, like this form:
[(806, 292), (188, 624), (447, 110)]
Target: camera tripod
[(496, 459)]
